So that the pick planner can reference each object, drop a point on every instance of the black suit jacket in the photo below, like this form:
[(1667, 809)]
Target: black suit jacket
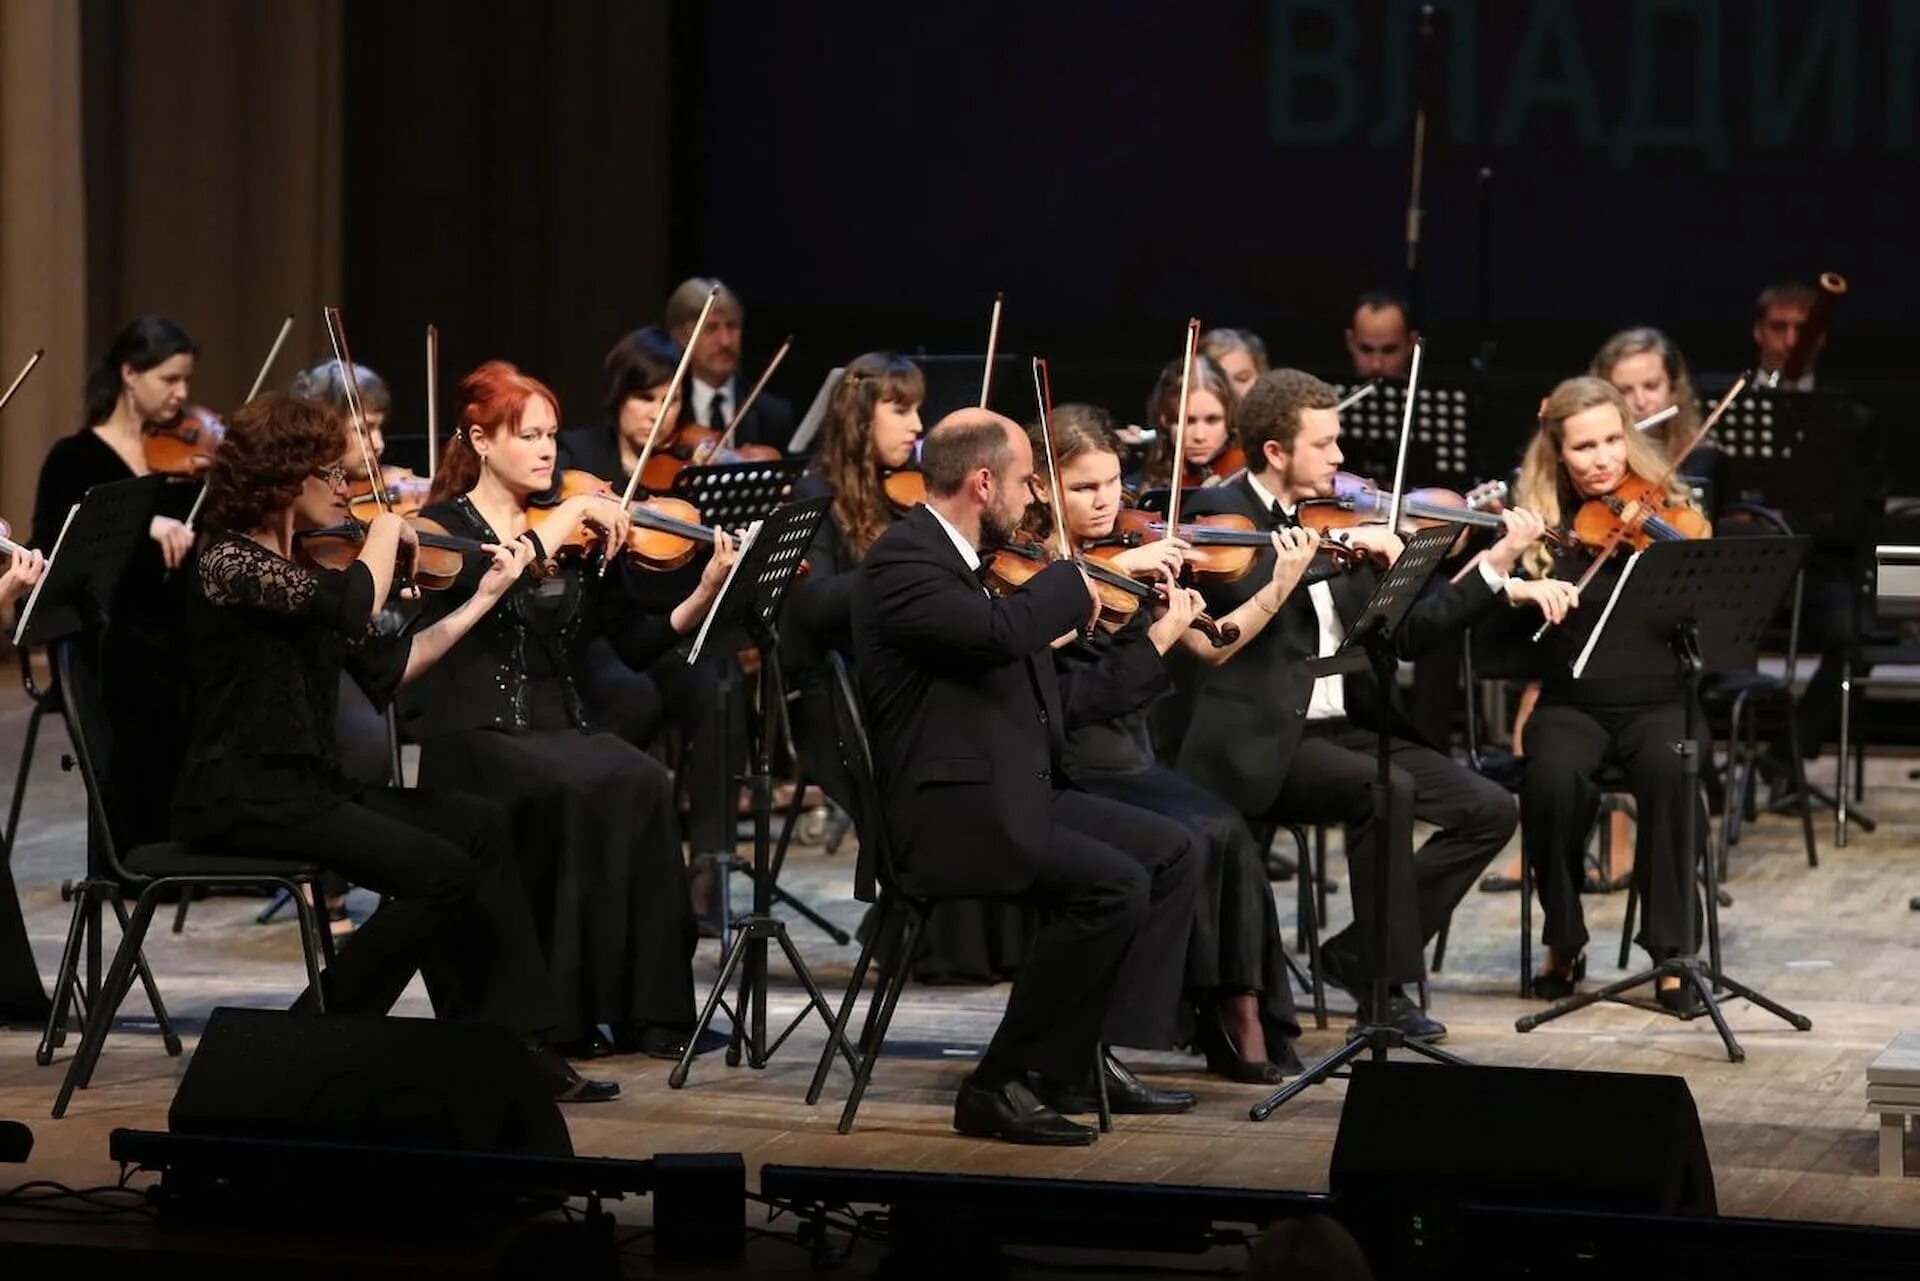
[(769, 421), (1250, 713), (964, 711)]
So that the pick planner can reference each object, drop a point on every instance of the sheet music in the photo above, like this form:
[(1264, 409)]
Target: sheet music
[(46, 575), (1600, 628), (816, 412), (726, 589)]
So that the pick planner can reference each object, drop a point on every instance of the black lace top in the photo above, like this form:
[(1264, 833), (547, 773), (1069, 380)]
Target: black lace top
[(267, 641), (519, 669)]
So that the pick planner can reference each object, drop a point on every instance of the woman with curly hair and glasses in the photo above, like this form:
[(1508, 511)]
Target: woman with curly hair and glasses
[(270, 633)]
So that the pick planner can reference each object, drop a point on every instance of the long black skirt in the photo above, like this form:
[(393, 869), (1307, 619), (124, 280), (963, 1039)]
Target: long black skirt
[(1235, 946), (599, 844)]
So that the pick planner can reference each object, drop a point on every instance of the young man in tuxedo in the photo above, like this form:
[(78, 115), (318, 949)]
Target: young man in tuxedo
[(1278, 744), (967, 724), (714, 390)]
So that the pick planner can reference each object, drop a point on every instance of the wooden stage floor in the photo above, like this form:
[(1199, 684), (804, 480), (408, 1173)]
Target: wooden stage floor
[(1787, 1130)]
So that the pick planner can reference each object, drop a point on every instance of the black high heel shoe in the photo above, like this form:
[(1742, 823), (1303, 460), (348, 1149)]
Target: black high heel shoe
[(568, 1085), (1558, 987)]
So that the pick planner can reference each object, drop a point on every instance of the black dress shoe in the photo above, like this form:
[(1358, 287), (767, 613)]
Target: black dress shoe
[(1127, 1094), (1404, 1014), (568, 1085), (660, 1042), (1549, 986), (1499, 883), (1281, 867), (1012, 1113), (1225, 1060)]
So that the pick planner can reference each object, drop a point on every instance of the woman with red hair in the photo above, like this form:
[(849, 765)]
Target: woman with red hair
[(592, 815)]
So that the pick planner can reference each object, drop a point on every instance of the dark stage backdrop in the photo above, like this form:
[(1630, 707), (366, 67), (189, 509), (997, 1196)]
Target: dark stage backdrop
[(867, 173)]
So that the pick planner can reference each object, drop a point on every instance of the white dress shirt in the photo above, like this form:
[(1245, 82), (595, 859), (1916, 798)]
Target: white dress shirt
[(968, 552), (703, 395), (1329, 697)]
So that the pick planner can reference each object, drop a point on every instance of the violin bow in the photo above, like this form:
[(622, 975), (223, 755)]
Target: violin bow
[(993, 347), (33, 362), (660, 415), (1672, 466), (259, 381), (1367, 389), (273, 354), (350, 384), (1043, 397), (1406, 435), (433, 398), (1180, 426), (726, 437)]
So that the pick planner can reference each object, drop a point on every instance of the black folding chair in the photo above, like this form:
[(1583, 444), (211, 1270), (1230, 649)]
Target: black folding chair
[(898, 920), (149, 871)]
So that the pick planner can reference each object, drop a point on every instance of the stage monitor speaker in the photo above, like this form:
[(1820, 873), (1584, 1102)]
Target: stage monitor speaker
[(1423, 1134), (423, 1083)]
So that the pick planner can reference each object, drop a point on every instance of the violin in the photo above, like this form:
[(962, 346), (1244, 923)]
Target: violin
[(666, 532), (1638, 513), (1358, 501), (1013, 566), (183, 447), (435, 565), (905, 487), (399, 491), (1224, 466), (1224, 546)]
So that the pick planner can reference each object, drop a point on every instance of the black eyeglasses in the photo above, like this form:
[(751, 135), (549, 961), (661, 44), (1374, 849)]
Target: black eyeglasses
[(333, 474)]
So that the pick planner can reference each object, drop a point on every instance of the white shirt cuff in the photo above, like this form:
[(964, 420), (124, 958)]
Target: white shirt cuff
[(1496, 580)]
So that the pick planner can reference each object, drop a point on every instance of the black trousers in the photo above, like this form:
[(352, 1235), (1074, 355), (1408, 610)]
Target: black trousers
[(455, 911), (1826, 626), (1118, 892), (1330, 780), (1565, 746)]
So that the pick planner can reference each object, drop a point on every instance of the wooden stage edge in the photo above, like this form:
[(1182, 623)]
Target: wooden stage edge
[(1788, 1131)]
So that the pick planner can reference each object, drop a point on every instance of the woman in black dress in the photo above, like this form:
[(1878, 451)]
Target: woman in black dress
[(593, 816), (1586, 446), (141, 380), (1233, 1003), (261, 777)]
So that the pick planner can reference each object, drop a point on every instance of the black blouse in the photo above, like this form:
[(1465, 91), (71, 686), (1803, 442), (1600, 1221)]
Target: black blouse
[(147, 595), (525, 655), (267, 641), (1506, 636), (819, 606), (1108, 682)]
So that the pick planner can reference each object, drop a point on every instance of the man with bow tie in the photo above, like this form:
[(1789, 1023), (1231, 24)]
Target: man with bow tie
[(1280, 745), (967, 720)]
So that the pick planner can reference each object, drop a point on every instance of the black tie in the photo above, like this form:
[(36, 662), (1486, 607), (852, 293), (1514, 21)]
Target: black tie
[(717, 411), (1282, 518)]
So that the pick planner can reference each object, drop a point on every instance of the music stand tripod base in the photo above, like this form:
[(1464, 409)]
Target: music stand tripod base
[(750, 602), (1683, 608), (1369, 646)]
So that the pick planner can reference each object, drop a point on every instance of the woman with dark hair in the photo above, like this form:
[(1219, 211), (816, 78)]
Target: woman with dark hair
[(141, 380), (638, 705), (261, 777), (1233, 1003), (593, 815)]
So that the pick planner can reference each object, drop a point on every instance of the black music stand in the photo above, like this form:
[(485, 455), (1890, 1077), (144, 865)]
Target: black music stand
[(1370, 431), (1684, 608), (1370, 646), (749, 604), (74, 596), (732, 496)]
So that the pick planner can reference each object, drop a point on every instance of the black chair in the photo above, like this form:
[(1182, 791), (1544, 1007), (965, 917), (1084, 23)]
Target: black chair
[(148, 870), (44, 701), (899, 918)]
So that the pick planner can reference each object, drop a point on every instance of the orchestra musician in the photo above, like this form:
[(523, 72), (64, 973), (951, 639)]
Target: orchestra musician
[(269, 635), (967, 719), (866, 443), (1238, 352), (1236, 1005), (636, 374), (1585, 448), (1279, 745), (324, 382), (1645, 367), (713, 385), (141, 381), (1379, 338), (503, 717), (1779, 314), (1212, 446)]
